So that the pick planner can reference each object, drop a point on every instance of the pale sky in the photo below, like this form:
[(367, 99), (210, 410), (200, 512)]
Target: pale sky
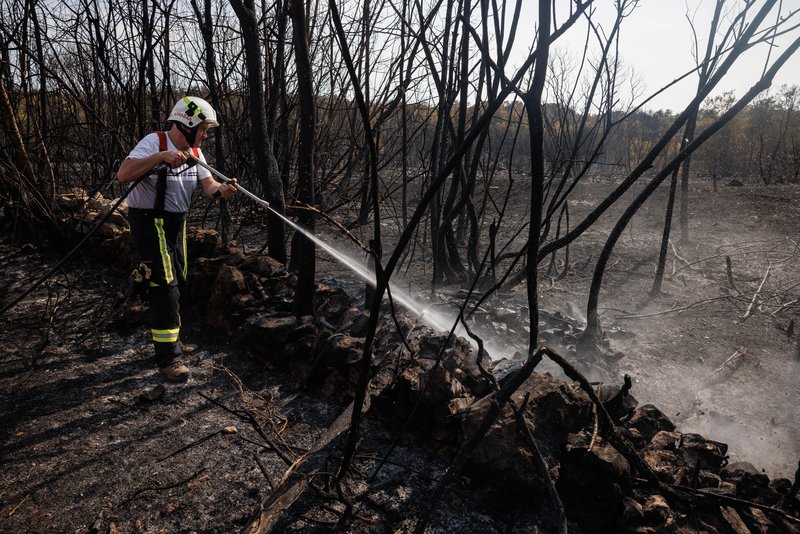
[(656, 42)]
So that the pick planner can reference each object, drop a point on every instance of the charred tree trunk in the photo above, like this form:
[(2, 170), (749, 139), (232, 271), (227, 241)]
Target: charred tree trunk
[(441, 267), (662, 253), (266, 165), (206, 23), (404, 117), (706, 68), (691, 124), (278, 109), (363, 212), (447, 239), (369, 137), (165, 75), (533, 104), (47, 179), (302, 246)]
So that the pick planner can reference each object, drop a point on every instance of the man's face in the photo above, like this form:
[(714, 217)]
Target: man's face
[(202, 135)]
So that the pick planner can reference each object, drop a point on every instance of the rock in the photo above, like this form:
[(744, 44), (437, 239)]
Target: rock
[(634, 436), (780, 485), (202, 242), (229, 294), (631, 511), (765, 524), (675, 457), (72, 201), (345, 349), (152, 395), (656, 510), (662, 462), (118, 219), (735, 470), (591, 482), (264, 266), (458, 359), (648, 420), (503, 368), (97, 202), (695, 448), (554, 410), (233, 255), (750, 483), (331, 302), (265, 336), (409, 388), (109, 230), (663, 440), (354, 321)]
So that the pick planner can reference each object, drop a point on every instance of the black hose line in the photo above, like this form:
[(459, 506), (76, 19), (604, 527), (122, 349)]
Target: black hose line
[(75, 249)]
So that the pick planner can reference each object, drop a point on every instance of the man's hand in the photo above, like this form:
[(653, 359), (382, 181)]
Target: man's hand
[(174, 158), (227, 189)]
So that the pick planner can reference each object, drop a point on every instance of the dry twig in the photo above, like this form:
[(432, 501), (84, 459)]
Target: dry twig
[(226, 430), (753, 300), (20, 503), (726, 369)]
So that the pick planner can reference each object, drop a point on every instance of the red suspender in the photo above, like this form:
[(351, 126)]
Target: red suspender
[(161, 183), (162, 141)]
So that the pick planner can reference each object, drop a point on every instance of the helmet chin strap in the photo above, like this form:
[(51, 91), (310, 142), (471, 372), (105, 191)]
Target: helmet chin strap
[(189, 133)]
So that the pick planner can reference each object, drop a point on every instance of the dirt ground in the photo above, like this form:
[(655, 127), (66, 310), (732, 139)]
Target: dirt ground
[(85, 450), (721, 361)]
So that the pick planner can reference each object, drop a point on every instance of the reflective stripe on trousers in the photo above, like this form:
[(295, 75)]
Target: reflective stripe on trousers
[(169, 335)]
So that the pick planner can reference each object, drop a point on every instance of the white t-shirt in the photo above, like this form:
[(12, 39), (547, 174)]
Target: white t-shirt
[(181, 181)]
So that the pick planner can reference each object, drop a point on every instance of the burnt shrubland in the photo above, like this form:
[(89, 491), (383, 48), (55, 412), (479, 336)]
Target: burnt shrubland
[(539, 347)]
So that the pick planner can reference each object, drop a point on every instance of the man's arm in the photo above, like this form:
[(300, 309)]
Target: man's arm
[(132, 168)]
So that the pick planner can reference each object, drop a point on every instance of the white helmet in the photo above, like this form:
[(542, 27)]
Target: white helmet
[(193, 111)]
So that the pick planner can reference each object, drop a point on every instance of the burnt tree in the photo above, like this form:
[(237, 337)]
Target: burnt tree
[(265, 163)]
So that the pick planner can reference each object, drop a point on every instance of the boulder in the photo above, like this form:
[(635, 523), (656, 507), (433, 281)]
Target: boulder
[(656, 511), (649, 420), (264, 266), (554, 410), (592, 482), (750, 483), (229, 294), (708, 454), (202, 242)]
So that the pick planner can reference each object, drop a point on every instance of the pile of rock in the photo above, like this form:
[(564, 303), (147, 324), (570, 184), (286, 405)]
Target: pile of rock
[(78, 213), (435, 387)]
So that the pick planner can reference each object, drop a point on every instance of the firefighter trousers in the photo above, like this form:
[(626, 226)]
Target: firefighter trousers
[(159, 242)]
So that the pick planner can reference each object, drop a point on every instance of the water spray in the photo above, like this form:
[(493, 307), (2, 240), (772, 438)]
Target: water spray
[(433, 318)]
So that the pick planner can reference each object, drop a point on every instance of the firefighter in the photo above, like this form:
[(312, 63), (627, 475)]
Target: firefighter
[(157, 216)]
